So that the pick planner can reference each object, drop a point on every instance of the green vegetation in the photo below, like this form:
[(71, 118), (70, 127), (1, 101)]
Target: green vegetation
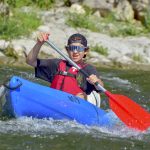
[(100, 49), (11, 53), (108, 25), (147, 20), (45, 4), (137, 57), (18, 25), (21, 23), (83, 21), (24, 23), (67, 3)]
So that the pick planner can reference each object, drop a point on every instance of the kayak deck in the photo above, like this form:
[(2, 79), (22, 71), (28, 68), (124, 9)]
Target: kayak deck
[(26, 98)]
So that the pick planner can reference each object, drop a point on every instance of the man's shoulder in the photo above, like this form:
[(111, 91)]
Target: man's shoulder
[(47, 62), (89, 66), (51, 60), (90, 69)]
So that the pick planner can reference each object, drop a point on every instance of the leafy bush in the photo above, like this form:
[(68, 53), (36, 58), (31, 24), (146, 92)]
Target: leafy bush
[(17, 25)]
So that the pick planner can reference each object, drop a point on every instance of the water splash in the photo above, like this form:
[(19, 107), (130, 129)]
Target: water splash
[(43, 127), (121, 83)]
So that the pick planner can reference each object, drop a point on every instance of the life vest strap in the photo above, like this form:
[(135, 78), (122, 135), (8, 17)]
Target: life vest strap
[(65, 73)]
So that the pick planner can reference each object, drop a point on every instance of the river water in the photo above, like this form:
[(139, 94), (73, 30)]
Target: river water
[(35, 134)]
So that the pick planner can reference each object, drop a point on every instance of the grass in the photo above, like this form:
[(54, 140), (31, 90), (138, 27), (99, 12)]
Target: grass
[(11, 53), (44, 4), (19, 24), (108, 25), (147, 20), (100, 49), (84, 21), (137, 58)]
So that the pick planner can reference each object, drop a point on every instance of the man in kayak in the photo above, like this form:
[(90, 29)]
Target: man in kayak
[(60, 73)]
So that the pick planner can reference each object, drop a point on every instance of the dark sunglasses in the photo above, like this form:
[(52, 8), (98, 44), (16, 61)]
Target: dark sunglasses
[(75, 48)]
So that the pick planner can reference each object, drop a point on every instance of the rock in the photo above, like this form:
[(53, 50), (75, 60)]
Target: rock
[(99, 4), (97, 14), (103, 6), (19, 49), (59, 3), (43, 28), (140, 7), (1, 54), (7, 60), (4, 44), (124, 60), (147, 60), (124, 11), (76, 8), (97, 58), (74, 1), (4, 9), (147, 52), (114, 55), (26, 44), (120, 49)]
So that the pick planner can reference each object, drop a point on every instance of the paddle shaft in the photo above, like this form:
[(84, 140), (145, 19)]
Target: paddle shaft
[(128, 111), (98, 86)]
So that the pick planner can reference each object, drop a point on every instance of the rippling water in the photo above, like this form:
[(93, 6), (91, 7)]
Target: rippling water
[(34, 134)]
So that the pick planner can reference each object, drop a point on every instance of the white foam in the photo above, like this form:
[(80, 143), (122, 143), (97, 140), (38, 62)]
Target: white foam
[(37, 127)]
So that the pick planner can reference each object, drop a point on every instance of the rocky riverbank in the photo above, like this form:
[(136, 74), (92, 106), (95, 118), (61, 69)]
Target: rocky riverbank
[(125, 52)]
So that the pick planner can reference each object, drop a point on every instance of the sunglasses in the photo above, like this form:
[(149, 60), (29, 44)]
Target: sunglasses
[(76, 48)]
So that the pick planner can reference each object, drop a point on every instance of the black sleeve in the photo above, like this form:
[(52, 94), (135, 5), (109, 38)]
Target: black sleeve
[(87, 87), (46, 68)]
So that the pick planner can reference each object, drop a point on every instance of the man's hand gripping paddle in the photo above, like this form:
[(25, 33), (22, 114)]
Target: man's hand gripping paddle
[(132, 114)]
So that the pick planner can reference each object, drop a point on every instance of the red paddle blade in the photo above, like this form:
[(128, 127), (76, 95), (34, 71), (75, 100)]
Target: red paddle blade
[(129, 112)]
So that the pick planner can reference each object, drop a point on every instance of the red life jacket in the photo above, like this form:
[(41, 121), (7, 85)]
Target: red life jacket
[(66, 80)]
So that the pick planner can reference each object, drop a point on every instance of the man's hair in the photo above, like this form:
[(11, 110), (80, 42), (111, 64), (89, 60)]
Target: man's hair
[(77, 38)]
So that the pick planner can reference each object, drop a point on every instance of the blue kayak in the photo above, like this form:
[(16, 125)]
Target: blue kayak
[(25, 98)]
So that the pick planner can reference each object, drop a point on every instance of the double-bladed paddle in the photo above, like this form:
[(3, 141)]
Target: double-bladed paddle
[(132, 114)]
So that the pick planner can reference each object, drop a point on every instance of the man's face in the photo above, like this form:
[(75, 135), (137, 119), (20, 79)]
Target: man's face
[(76, 52)]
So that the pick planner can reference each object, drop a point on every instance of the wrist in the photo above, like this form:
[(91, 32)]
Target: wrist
[(39, 43)]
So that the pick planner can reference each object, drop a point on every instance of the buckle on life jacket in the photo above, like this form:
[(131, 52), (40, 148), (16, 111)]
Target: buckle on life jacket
[(65, 73)]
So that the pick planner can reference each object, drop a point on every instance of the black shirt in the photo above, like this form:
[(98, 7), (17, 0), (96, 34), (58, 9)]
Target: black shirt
[(47, 68)]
